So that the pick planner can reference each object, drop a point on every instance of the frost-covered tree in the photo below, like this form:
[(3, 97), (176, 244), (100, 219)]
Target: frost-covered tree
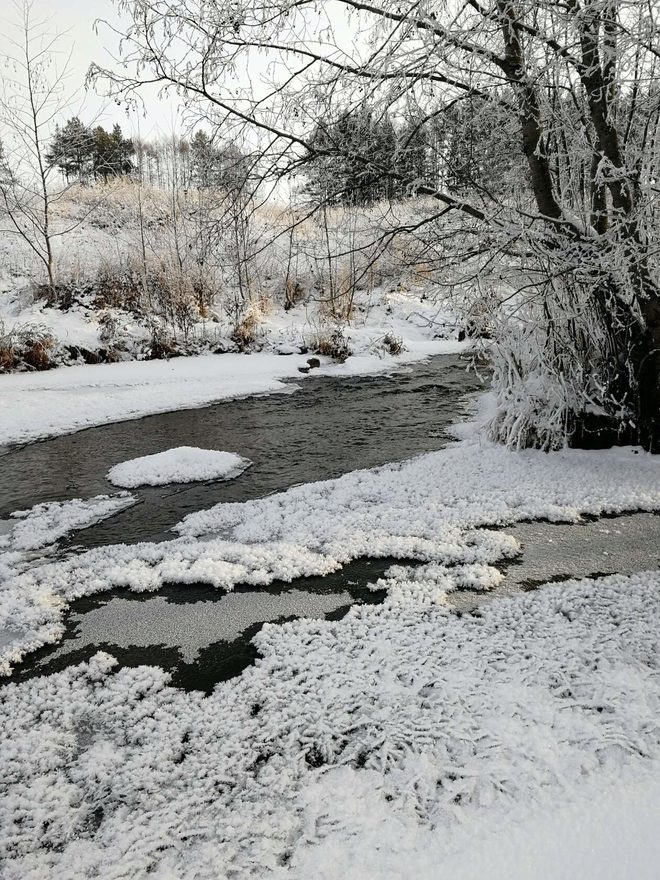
[(33, 94), (571, 247)]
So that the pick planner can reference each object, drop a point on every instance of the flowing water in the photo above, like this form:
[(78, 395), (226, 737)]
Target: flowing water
[(326, 428)]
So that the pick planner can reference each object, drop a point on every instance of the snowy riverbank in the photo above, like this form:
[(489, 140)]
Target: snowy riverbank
[(400, 741), (43, 404), (39, 405)]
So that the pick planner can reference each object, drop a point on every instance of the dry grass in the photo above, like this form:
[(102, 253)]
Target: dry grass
[(246, 330), (332, 344), (28, 347)]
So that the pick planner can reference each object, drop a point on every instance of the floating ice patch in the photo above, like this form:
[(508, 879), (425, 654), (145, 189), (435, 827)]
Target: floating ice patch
[(184, 464), (46, 523), (193, 626)]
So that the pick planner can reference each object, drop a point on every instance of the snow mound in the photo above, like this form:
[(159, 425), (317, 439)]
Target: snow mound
[(183, 464)]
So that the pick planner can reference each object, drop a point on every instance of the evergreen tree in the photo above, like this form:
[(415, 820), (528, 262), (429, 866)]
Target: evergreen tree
[(338, 176), (413, 154), (225, 167), (204, 161), (112, 153), (480, 149), (71, 150)]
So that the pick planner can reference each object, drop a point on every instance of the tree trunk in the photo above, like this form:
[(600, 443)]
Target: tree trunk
[(649, 378)]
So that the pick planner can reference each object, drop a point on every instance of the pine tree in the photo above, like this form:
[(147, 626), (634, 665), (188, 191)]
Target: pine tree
[(203, 160), (71, 150), (336, 177), (112, 153)]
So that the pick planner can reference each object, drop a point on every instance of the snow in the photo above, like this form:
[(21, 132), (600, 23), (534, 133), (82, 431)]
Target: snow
[(29, 535), (67, 399), (396, 742), (48, 522), (183, 464), (603, 832), (401, 741)]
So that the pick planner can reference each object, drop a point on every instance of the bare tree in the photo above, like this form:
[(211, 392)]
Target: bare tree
[(34, 95), (575, 239)]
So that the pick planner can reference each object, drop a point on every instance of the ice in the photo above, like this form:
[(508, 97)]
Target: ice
[(399, 741), (183, 464), (433, 509), (191, 626), (46, 523)]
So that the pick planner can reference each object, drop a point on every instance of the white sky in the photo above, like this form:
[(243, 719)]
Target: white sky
[(74, 19)]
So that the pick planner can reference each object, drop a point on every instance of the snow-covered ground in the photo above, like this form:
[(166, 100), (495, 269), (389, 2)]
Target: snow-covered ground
[(402, 741), (397, 742), (522, 743), (184, 464)]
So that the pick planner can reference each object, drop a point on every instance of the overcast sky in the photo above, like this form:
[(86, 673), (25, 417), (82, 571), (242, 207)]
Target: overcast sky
[(74, 19)]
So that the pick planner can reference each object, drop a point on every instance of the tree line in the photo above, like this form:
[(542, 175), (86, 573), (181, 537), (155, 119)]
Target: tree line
[(90, 153), (456, 151)]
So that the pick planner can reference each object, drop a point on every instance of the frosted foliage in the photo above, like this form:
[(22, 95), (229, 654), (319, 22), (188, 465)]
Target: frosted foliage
[(540, 392), (439, 727)]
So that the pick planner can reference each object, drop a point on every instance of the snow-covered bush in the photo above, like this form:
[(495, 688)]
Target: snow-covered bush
[(555, 371), (25, 347)]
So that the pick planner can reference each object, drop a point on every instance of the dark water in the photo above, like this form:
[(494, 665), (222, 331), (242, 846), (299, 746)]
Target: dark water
[(328, 427), (161, 635)]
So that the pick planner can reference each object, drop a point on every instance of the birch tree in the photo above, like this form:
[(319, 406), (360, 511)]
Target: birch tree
[(34, 94)]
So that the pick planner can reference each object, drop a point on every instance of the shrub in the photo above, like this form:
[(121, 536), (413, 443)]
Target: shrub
[(334, 346), (293, 293), (28, 347), (392, 344), (245, 331), (162, 346)]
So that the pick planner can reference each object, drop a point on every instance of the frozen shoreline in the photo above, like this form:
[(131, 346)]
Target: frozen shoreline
[(40, 405), (399, 741)]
